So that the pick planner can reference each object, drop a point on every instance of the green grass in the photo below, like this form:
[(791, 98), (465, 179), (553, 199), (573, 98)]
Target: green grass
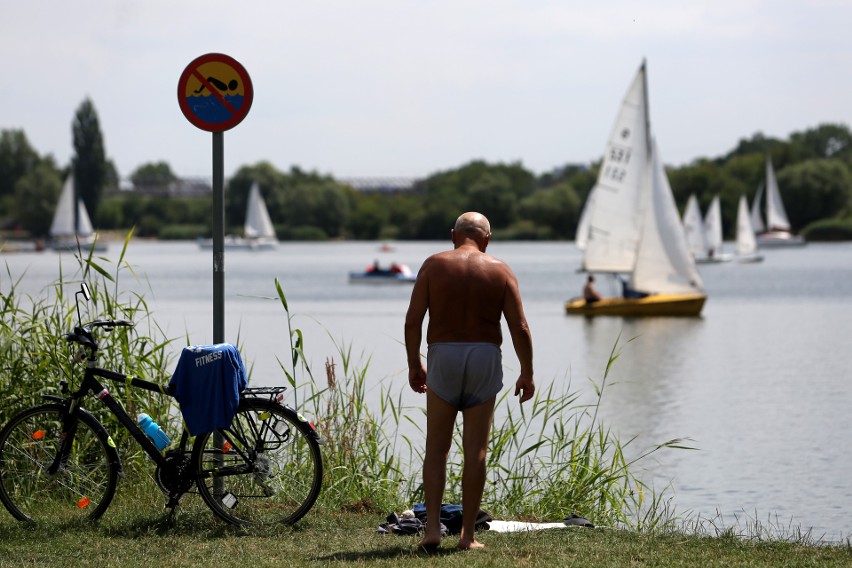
[(135, 532)]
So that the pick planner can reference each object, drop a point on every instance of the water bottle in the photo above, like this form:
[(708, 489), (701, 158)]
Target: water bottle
[(160, 439)]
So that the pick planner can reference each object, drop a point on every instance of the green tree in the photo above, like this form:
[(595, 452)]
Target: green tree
[(493, 196), (556, 208), (322, 205), (17, 158), (89, 164), (824, 141), (36, 195), (757, 144), (369, 217), (157, 174), (814, 190)]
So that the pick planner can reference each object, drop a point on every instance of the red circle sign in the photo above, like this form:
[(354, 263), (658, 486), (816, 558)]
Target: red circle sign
[(215, 92)]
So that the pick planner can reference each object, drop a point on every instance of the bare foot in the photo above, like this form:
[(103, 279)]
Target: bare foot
[(469, 545), (429, 544)]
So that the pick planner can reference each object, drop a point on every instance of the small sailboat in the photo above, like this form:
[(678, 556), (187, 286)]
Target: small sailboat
[(746, 250), (68, 233), (775, 232), (634, 227), (713, 235), (694, 227), (258, 231)]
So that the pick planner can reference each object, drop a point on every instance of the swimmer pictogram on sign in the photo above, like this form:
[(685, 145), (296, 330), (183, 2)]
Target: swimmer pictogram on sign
[(215, 92)]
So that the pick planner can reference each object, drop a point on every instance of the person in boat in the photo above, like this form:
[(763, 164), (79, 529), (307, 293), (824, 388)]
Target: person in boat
[(589, 293), (466, 292), (627, 292)]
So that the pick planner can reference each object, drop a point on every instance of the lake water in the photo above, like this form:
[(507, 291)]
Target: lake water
[(760, 382)]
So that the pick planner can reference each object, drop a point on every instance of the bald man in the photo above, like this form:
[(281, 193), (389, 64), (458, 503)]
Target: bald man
[(466, 292)]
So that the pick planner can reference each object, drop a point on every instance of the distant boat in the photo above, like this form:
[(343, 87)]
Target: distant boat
[(746, 242), (634, 228), (63, 234), (258, 231), (396, 274), (694, 227), (775, 231), (713, 235)]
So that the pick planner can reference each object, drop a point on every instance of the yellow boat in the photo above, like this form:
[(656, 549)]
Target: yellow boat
[(630, 225), (653, 305)]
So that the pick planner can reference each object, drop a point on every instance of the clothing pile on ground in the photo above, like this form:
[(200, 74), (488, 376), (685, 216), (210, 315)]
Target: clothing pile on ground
[(413, 521)]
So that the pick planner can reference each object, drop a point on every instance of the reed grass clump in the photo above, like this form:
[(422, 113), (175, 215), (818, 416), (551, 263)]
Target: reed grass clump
[(35, 357), (547, 459)]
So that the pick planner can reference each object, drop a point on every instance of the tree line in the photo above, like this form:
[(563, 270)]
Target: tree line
[(814, 170)]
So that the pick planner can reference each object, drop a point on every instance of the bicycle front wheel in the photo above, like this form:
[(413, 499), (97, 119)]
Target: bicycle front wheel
[(84, 485), (266, 468)]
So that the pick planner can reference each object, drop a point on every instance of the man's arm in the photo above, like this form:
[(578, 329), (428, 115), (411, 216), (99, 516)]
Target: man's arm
[(417, 308), (513, 310)]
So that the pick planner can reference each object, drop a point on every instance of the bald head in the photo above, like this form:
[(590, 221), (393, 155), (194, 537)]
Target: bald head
[(473, 224)]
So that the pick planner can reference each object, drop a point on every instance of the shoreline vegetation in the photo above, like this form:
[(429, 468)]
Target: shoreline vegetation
[(574, 465), (814, 173)]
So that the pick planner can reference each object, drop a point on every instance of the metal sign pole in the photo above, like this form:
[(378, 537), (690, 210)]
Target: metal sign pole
[(218, 238), (218, 269)]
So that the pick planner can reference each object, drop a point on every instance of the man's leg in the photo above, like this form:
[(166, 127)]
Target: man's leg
[(440, 421), (477, 427)]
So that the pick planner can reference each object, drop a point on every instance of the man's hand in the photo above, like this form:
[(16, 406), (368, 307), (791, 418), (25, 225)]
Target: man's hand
[(525, 386), (417, 378)]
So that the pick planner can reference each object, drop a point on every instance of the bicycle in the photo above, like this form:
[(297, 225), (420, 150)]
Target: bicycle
[(58, 462)]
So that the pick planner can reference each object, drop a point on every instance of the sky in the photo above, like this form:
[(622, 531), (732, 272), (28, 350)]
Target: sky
[(375, 88)]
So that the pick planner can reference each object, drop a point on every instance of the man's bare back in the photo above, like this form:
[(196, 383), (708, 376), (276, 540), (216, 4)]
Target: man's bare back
[(465, 294)]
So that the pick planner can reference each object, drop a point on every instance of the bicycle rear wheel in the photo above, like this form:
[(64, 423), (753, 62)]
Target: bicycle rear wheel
[(85, 483), (265, 468)]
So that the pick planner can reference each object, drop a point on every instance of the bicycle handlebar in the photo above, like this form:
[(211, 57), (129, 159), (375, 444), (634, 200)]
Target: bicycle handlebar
[(83, 334), (109, 324)]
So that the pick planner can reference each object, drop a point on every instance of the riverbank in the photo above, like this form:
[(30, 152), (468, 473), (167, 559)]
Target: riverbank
[(139, 531)]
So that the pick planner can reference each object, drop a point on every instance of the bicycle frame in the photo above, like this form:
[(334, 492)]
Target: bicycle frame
[(91, 384)]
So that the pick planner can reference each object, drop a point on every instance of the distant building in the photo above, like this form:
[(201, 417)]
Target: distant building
[(202, 187), (183, 187), (388, 185)]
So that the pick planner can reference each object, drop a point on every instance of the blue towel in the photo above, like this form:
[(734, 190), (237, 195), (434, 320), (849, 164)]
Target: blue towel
[(207, 384)]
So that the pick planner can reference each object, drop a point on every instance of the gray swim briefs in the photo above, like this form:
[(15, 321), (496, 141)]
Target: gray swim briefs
[(464, 374)]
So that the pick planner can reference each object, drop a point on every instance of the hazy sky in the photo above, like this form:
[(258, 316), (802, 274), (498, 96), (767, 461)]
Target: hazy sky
[(408, 88)]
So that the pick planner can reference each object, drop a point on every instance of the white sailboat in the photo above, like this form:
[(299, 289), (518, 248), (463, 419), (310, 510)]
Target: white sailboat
[(258, 231), (634, 225), (694, 227), (746, 241), (713, 235), (63, 234), (776, 230)]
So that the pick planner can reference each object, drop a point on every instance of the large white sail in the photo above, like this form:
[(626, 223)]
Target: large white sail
[(746, 241), (63, 217), (664, 264), (581, 238), (713, 228), (776, 216), (756, 216), (258, 223), (615, 221), (694, 227)]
